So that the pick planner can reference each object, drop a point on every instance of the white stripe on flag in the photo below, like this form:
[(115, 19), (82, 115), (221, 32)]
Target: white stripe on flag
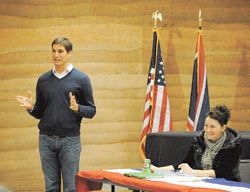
[(147, 104), (158, 105), (200, 102), (196, 55), (145, 122), (191, 121), (167, 117)]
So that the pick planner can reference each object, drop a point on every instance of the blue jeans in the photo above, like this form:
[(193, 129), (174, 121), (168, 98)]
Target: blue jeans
[(59, 158)]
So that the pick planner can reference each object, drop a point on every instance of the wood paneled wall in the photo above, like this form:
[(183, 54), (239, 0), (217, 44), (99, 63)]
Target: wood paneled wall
[(112, 43)]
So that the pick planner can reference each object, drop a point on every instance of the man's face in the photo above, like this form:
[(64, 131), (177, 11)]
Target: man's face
[(60, 56)]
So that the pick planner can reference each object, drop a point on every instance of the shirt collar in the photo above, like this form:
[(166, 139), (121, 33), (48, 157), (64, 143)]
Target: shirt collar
[(64, 73)]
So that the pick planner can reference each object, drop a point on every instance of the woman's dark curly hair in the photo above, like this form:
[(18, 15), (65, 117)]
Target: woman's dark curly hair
[(221, 113)]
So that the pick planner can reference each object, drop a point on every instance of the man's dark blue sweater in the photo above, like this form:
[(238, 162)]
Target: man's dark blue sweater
[(53, 102)]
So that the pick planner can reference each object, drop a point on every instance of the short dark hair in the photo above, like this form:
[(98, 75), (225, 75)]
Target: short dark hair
[(221, 113), (63, 41)]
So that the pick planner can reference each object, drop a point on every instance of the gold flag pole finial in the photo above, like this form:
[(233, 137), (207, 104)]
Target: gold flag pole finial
[(200, 20), (156, 15)]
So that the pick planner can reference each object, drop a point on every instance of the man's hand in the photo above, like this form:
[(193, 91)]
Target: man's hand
[(73, 104), (26, 102)]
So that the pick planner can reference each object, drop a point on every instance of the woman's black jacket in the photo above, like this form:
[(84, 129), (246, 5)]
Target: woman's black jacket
[(226, 162)]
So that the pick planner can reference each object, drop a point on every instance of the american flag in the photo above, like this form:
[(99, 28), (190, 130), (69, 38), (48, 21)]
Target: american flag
[(199, 99), (157, 117)]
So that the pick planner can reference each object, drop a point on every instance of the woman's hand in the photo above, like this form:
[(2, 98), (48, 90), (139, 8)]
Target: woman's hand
[(167, 168), (153, 168), (186, 168)]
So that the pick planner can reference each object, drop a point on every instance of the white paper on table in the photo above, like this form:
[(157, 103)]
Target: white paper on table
[(204, 184), (180, 178), (122, 171)]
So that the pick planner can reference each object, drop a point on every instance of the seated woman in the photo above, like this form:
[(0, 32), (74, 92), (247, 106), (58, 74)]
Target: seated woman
[(216, 152)]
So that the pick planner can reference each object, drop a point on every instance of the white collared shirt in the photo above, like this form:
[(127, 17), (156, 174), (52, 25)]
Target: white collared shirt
[(64, 73)]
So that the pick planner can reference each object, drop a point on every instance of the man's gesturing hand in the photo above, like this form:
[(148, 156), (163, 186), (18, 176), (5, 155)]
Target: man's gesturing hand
[(26, 102), (73, 104)]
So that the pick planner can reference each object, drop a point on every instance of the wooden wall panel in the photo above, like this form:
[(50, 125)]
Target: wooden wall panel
[(112, 43)]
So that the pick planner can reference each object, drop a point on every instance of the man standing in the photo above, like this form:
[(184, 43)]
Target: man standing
[(63, 97)]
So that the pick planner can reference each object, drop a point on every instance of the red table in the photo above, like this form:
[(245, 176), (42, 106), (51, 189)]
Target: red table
[(93, 180)]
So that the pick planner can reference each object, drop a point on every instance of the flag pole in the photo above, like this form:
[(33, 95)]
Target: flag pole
[(200, 20), (156, 15), (199, 97), (156, 109), (199, 36)]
